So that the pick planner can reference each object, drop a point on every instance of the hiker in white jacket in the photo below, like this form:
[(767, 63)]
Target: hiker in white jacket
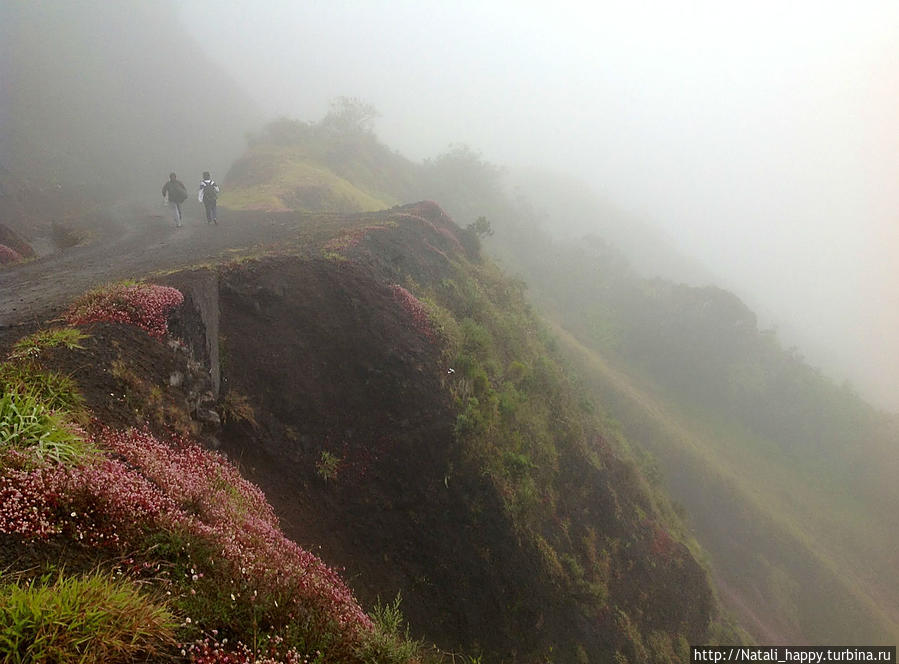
[(208, 195)]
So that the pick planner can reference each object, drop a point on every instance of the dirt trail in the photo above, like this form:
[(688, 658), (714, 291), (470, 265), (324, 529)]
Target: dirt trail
[(145, 241)]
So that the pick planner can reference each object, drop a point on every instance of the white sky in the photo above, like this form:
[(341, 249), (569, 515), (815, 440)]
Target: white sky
[(762, 136)]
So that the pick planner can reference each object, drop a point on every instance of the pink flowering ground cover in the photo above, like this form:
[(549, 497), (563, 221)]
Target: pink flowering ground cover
[(145, 305), (416, 309), (9, 255), (214, 538)]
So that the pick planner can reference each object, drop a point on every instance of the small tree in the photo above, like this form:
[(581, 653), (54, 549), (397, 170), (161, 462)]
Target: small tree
[(349, 116), (480, 227)]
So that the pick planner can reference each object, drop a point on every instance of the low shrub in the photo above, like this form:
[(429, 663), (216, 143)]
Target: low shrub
[(389, 642), (328, 466), (89, 619)]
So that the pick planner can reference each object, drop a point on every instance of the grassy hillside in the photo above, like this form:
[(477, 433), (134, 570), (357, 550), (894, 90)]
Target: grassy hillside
[(407, 416), (334, 165), (796, 507), (786, 477)]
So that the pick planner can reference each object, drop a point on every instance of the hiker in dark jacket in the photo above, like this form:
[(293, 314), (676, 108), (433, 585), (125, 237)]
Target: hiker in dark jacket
[(208, 196), (175, 193)]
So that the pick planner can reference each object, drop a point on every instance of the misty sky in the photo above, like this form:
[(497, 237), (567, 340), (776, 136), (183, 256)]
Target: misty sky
[(763, 137)]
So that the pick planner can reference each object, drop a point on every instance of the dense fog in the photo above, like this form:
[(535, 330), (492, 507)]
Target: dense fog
[(746, 154), (760, 138), (110, 97)]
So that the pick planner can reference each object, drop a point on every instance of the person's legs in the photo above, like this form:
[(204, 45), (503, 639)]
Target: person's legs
[(180, 216), (176, 213), (214, 219), (208, 213)]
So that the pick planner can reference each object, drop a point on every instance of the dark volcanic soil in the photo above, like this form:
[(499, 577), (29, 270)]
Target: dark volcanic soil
[(331, 362)]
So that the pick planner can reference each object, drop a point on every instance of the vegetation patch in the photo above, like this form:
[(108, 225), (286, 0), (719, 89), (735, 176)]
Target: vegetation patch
[(32, 434), (32, 345), (9, 255), (92, 619), (55, 391), (416, 309), (143, 305)]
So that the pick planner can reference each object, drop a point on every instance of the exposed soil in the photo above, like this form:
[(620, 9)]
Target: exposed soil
[(330, 362)]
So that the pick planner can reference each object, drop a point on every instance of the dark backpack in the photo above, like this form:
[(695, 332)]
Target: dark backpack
[(177, 191), (209, 193)]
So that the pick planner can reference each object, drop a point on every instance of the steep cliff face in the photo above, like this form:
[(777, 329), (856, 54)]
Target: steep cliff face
[(397, 401)]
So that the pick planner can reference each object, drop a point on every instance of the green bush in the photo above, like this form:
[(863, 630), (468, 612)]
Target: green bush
[(90, 619)]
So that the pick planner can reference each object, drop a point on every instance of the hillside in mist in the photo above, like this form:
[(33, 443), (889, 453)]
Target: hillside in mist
[(784, 474), (101, 100), (595, 455)]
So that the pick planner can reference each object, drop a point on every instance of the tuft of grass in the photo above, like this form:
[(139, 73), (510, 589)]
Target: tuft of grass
[(56, 391), (28, 426), (390, 641), (92, 619), (236, 407), (328, 466), (32, 345)]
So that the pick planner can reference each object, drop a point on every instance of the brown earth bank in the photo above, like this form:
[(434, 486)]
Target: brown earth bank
[(311, 357), (316, 356)]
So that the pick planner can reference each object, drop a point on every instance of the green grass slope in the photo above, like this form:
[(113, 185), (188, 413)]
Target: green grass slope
[(334, 165), (783, 550)]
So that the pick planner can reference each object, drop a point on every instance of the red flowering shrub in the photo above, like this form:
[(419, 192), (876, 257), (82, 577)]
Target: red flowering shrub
[(100, 503), (9, 255), (444, 231), (145, 305), (419, 315)]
